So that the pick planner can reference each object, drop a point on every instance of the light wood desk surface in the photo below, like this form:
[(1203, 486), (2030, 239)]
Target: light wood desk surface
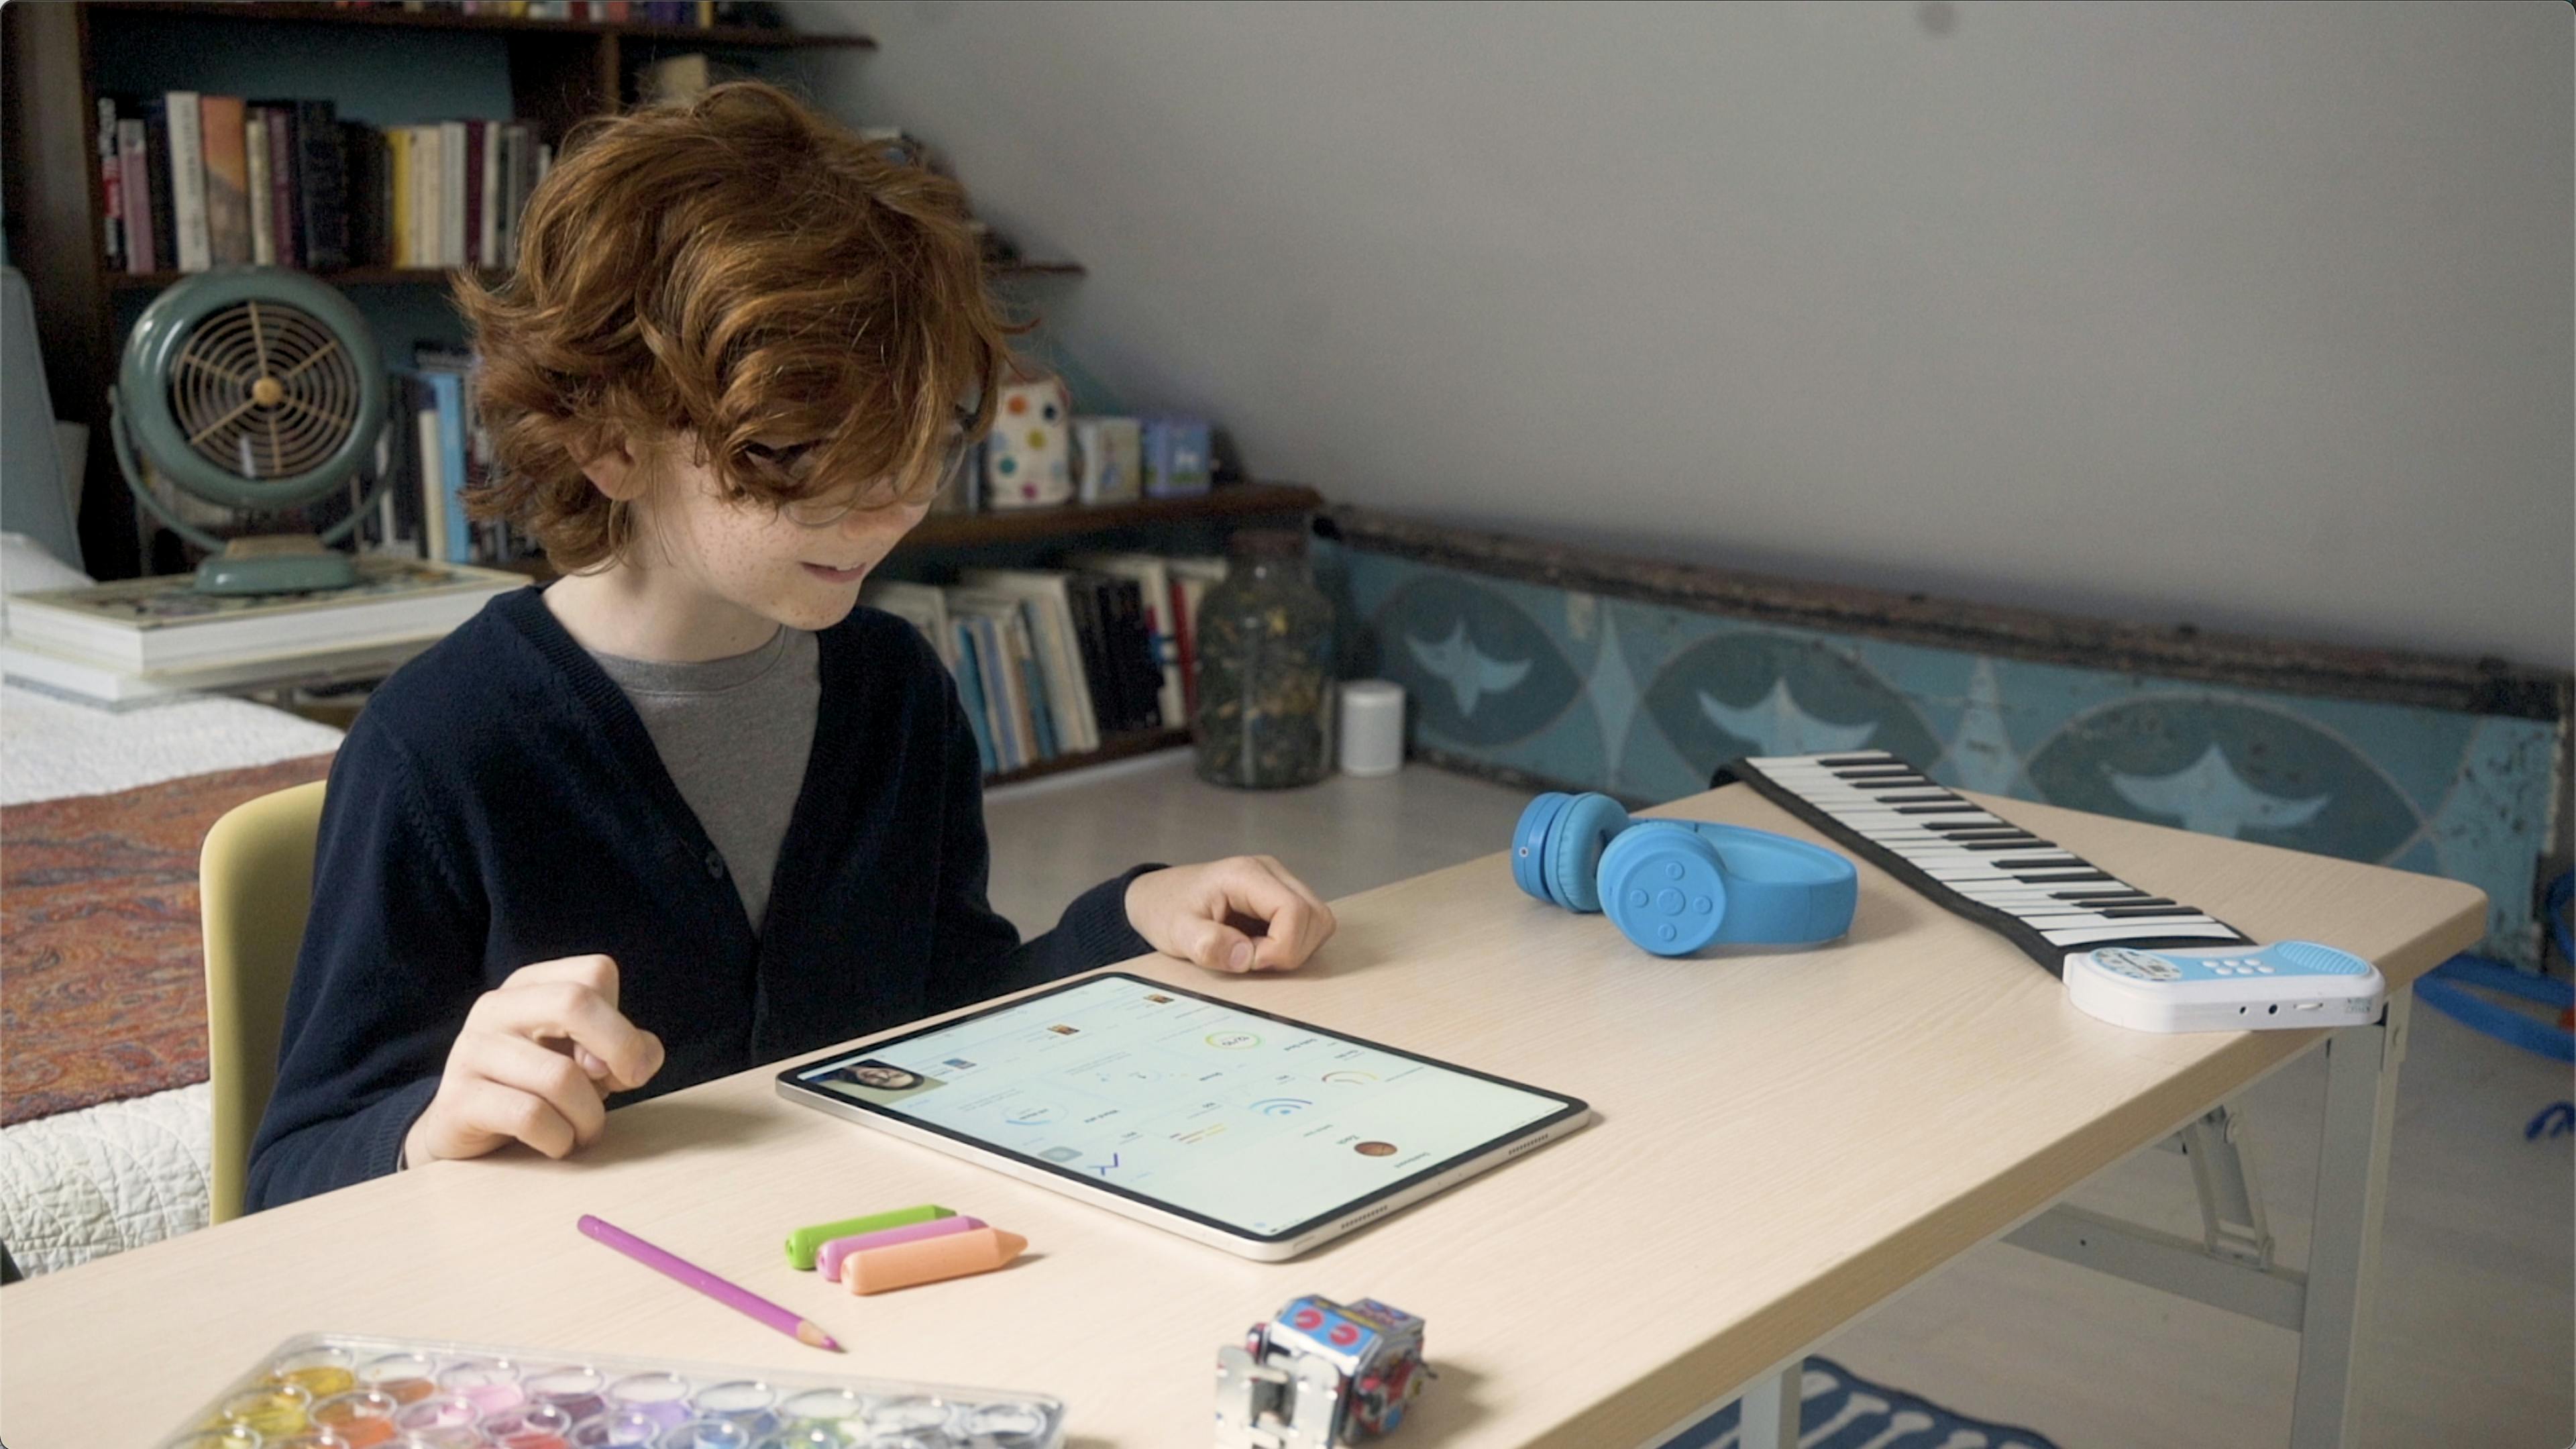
[(1784, 1141)]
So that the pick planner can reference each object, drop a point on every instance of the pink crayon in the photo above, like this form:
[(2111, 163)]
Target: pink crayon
[(829, 1257)]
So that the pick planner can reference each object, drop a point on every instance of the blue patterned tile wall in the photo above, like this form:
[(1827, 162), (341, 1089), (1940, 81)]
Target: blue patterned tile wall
[(1642, 701)]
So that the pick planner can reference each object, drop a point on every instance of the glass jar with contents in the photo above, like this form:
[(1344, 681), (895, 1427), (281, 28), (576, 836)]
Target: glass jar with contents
[(1265, 667)]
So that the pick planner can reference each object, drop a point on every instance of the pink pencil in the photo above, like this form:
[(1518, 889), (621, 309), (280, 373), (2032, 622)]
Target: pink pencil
[(730, 1294)]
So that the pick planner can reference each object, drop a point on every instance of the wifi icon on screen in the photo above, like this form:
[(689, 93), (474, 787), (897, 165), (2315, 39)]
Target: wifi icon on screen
[(1281, 1106)]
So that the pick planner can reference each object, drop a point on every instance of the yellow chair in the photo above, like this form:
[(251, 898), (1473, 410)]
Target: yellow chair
[(255, 885)]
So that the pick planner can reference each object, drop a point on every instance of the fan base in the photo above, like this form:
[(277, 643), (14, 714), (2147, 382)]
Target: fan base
[(276, 566)]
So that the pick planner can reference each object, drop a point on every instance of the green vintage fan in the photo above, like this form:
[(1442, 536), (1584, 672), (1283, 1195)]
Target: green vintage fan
[(258, 389)]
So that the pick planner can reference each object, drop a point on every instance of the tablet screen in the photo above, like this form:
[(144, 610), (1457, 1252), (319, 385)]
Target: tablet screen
[(1251, 1122)]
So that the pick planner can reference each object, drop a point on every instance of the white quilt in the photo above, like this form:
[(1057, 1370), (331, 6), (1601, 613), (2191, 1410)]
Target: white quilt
[(103, 1179), (84, 1184)]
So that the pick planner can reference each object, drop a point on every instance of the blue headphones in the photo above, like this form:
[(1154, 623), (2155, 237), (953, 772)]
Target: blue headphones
[(1673, 886)]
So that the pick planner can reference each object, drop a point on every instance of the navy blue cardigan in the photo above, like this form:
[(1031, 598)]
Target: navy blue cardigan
[(499, 803)]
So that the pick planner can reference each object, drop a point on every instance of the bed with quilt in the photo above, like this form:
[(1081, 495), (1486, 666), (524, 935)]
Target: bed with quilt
[(104, 1124)]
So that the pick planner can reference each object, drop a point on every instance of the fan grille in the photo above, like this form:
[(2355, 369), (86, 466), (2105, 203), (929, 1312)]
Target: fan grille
[(263, 390)]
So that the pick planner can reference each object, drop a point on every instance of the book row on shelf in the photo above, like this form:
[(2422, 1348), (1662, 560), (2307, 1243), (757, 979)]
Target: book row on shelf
[(195, 180), (704, 14), (1052, 662)]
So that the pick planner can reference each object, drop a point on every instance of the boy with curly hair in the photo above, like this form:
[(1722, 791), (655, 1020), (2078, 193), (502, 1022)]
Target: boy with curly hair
[(690, 809)]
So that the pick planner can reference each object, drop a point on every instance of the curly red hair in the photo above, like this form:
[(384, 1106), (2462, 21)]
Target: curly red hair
[(730, 273)]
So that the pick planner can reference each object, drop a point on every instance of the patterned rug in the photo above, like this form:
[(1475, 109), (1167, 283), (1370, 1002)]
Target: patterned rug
[(102, 977), (1842, 1410)]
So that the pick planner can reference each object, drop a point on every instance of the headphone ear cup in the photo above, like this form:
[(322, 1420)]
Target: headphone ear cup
[(1529, 843), (1575, 842), (1661, 886)]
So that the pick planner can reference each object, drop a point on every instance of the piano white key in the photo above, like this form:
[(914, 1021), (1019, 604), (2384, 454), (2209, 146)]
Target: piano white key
[(2140, 925), (1773, 764), (1956, 857), (1910, 835), (1954, 874), (2098, 935), (1871, 779), (1952, 854), (2033, 908), (2018, 894), (1881, 817), (1988, 890)]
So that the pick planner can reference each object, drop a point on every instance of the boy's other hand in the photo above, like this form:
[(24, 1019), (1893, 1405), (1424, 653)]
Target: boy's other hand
[(538, 1055), (1243, 913)]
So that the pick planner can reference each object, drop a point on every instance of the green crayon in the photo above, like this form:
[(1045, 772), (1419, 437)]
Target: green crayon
[(804, 1243)]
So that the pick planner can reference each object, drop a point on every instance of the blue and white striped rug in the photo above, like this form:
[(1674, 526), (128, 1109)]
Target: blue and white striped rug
[(1841, 1410)]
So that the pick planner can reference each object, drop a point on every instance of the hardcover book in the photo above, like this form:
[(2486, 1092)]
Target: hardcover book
[(162, 624)]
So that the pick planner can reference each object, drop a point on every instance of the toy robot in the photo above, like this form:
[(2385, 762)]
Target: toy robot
[(1320, 1375)]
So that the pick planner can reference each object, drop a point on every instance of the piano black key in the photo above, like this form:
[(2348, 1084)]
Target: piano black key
[(2139, 908), (1832, 761), (1914, 799), (2056, 920), (1931, 809), (2001, 844), (2095, 895)]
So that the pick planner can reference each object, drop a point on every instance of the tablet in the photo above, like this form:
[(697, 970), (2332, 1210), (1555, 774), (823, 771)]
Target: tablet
[(1254, 1133)]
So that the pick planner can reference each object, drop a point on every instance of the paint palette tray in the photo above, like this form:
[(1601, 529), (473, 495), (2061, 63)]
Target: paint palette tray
[(343, 1391)]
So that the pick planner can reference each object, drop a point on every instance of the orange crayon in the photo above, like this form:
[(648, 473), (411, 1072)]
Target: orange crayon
[(930, 1260)]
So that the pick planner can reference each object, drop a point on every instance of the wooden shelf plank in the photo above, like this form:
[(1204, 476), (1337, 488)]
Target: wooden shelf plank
[(310, 12), (960, 530), (437, 276), (346, 277), (1112, 747), (1232, 500)]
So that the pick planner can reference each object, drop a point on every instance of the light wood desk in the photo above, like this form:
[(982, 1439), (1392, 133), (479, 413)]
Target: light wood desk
[(1785, 1141)]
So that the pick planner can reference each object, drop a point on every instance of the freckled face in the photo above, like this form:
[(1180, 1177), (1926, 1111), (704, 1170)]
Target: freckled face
[(803, 574)]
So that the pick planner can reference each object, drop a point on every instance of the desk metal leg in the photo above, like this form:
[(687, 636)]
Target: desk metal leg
[(1770, 1409), (2352, 1186)]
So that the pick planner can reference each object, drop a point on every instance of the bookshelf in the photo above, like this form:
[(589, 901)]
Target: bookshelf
[(553, 73), (390, 66), (437, 276), (310, 13)]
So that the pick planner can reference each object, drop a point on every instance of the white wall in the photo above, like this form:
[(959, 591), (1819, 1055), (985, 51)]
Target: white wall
[(2256, 316)]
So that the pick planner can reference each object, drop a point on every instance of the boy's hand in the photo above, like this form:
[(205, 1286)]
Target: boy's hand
[(1244, 913), (536, 1057)]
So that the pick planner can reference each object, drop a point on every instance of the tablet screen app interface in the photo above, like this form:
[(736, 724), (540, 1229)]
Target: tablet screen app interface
[(1253, 1122)]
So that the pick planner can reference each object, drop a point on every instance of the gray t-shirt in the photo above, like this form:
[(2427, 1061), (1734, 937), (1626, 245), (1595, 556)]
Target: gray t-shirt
[(734, 735)]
